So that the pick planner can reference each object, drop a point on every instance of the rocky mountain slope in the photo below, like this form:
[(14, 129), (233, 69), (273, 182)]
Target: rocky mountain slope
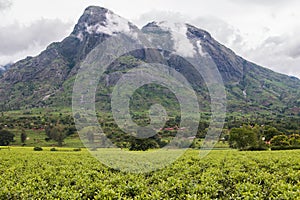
[(47, 79), (3, 68)]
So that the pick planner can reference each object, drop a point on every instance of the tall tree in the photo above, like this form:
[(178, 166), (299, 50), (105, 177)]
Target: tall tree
[(243, 138), (6, 137), (23, 136), (57, 133)]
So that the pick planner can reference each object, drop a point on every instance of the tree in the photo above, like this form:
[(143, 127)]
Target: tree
[(89, 133), (294, 140), (280, 140), (6, 137), (91, 137), (143, 144), (243, 138), (56, 133), (270, 132), (23, 137)]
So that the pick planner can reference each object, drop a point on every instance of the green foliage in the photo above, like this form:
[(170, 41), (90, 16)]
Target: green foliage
[(38, 149), (274, 148), (6, 137), (242, 138), (57, 133), (23, 136), (224, 174), (53, 149), (34, 121), (270, 132), (143, 144), (280, 140), (294, 140), (251, 137), (283, 142)]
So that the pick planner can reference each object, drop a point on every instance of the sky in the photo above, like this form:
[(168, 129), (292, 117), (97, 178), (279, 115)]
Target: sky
[(266, 32)]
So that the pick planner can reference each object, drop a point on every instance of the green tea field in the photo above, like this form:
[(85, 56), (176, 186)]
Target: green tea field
[(223, 174)]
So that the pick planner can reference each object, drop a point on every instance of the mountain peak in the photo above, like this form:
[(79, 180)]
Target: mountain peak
[(185, 42), (27, 81), (95, 9), (163, 25), (200, 33), (93, 15), (98, 20)]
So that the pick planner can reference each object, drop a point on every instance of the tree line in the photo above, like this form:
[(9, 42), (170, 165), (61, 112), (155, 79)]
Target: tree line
[(257, 137)]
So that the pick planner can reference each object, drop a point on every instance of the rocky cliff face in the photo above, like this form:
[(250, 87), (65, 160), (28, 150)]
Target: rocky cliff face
[(46, 80)]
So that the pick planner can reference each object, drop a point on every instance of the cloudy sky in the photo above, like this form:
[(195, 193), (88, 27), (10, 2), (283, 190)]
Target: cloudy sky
[(266, 32)]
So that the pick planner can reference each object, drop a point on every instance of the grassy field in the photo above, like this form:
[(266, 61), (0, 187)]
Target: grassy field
[(37, 138), (223, 174)]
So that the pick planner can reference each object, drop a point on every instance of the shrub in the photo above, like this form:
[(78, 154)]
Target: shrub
[(143, 145), (38, 149), (274, 148), (53, 149), (294, 140), (77, 149), (280, 140), (258, 148), (243, 138), (6, 137)]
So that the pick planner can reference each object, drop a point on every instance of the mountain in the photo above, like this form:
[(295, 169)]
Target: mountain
[(47, 79), (3, 68)]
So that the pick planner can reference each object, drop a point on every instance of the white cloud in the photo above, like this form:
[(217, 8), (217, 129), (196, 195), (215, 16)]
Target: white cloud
[(200, 49), (182, 44), (263, 2), (220, 30), (5, 4), (17, 39), (113, 24), (31, 51), (279, 52)]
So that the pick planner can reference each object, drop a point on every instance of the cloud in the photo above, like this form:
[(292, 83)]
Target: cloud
[(31, 51), (295, 51), (263, 2), (293, 41), (280, 53), (159, 16), (220, 30), (16, 38), (5, 4)]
